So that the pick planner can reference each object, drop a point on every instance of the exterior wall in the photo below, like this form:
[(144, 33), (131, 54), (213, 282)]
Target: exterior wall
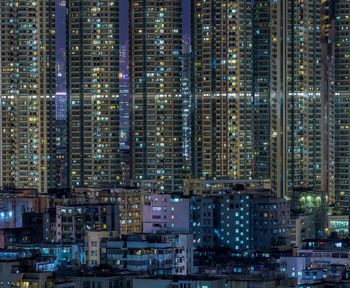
[(156, 66), (295, 95), (102, 282), (28, 142), (271, 222), (183, 255), (222, 87), (8, 273), (341, 94), (93, 93), (164, 212), (72, 222), (130, 204), (240, 221), (61, 253), (293, 266), (319, 254), (209, 186), (18, 206), (93, 240), (302, 227), (165, 283), (338, 224), (204, 221), (156, 254)]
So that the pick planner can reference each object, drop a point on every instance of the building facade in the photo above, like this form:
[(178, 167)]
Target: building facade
[(261, 89), (130, 203), (240, 220), (166, 212), (27, 81), (222, 87), (93, 241), (93, 93), (73, 222), (339, 12), (302, 226), (187, 104), (177, 282), (156, 254), (155, 45), (318, 254), (295, 95)]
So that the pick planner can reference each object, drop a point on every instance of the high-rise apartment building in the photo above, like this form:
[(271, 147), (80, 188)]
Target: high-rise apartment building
[(187, 103), (93, 91), (336, 97), (295, 95), (257, 86), (124, 97), (61, 95), (124, 113), (27, 92), (261, 90), (222, 43), (341, 91), (342, 101), (155, 43), (61, 139)]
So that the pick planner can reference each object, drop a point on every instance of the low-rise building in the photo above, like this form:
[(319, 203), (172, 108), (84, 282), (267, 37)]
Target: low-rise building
[(93, 241), (94, 277), (130, 202), (317, 254), (73, 222), (205, 221), (128, 199), (62, 253), (241, 220), (31, 231), (18, 202), (10, 273), (210, 186), (165, 212), (332, 276), (302, 226), (258, 281), (156, 254), (18, 269), (37, 279), (179, 282), (338, 224)]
